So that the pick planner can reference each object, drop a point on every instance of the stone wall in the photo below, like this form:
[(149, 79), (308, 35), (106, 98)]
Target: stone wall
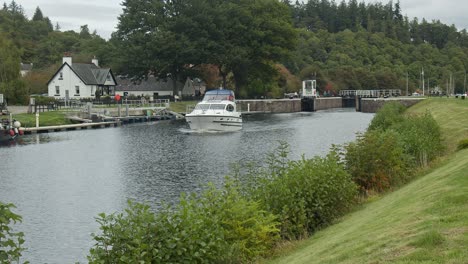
[(270, 105), (372, 105), (323, 103)]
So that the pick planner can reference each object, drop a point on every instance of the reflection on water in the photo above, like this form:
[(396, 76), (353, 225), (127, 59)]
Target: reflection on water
[(61, 181)]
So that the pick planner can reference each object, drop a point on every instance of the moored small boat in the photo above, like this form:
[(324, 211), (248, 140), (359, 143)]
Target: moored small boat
[(9, 131)]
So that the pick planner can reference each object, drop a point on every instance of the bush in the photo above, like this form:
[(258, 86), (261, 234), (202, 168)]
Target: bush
[(306, 195), (10, 242), (44, 100), (377, 160), (391, 113), (463, 144), (421, 138), (219, 226)]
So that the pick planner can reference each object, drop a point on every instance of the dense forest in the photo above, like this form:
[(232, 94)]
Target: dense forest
[(260, 48)]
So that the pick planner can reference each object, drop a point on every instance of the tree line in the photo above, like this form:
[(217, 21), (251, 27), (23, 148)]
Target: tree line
[(258, 48)]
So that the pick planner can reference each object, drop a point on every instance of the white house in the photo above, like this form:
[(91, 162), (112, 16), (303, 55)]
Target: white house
[(81, 80), (25, 68), (152, 86)]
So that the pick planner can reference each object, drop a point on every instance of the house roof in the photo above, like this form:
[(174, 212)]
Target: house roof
[(26, 66), (150, 84), (86, 72), (89, 73)]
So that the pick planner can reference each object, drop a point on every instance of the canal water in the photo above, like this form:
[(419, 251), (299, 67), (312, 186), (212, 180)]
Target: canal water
[(61, 181)]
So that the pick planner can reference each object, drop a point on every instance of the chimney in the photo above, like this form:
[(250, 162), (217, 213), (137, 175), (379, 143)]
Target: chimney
[(67, 58), (95, 62)]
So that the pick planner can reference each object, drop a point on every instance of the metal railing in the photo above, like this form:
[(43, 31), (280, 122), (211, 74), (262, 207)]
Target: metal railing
[(370, 93)]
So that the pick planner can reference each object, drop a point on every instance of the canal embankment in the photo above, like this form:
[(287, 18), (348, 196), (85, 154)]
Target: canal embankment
[(424, 221)]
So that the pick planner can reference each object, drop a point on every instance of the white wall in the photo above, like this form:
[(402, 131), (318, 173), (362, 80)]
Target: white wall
[(68, 82), (148, 93)]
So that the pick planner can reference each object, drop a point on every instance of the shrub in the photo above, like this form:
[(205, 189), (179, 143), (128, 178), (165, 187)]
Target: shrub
[(10, 242), (125, 237), (463, 144), (391, 113), (44, 100), (217, 226), (306, 195), (421, 138), (377, 160)]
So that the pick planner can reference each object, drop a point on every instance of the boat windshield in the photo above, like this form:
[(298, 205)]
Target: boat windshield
[(210, 106), (217, 106), (219, 95)]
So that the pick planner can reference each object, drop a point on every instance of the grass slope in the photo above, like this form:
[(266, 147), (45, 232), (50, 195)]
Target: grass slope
[(452, 116), (426, 221)]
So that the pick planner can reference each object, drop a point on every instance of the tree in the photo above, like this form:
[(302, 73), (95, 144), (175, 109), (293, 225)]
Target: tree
[(38, 15), (170, 37)]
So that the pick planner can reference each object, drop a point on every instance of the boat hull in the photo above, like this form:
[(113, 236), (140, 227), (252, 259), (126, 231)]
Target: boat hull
[(214, 123)]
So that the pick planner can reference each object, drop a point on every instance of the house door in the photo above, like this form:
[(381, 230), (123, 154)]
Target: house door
[(155, 95), (67, 97)]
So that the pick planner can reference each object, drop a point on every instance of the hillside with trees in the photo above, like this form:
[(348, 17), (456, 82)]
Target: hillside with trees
[(259, 48)]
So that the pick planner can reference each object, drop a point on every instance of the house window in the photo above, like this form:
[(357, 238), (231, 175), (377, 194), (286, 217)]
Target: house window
[(61, 76), (77, 90), (57, 90), (109, 77)]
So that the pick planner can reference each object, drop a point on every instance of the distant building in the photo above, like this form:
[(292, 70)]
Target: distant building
[(25, 68), (195, 87), (81, 80), (157, 87), (152, 87)]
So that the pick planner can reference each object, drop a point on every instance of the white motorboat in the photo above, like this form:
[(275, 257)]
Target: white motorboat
[(216, 112)]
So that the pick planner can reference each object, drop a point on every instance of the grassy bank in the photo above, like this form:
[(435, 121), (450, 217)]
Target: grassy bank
[(53, 118), (452, 116), (425, 221)]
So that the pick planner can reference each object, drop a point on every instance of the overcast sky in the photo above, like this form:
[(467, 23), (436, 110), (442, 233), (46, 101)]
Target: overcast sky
[(101, 15)]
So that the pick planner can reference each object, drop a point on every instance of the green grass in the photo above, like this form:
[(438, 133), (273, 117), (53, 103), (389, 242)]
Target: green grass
[(452, 116), (55, 118), (52, 118), (425, 221), (181, 107)]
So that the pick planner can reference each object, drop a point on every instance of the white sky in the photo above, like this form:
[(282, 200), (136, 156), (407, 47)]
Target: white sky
[(101, 15)]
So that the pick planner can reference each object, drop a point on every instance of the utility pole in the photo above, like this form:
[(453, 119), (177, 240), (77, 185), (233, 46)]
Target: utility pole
[(464, 84), (407, 83), (428, 86), (447, 88), (450, 86), (422, 73)]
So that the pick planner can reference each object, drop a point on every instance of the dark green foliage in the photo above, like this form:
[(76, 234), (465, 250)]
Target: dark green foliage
[(305, 195), (43, 100), (463, 144), (10, 242), (219, 226), (391, 113), (377, 160)]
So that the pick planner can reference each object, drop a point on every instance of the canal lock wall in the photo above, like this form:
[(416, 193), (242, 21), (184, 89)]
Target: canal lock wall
[(365, 105), (289, 105)]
